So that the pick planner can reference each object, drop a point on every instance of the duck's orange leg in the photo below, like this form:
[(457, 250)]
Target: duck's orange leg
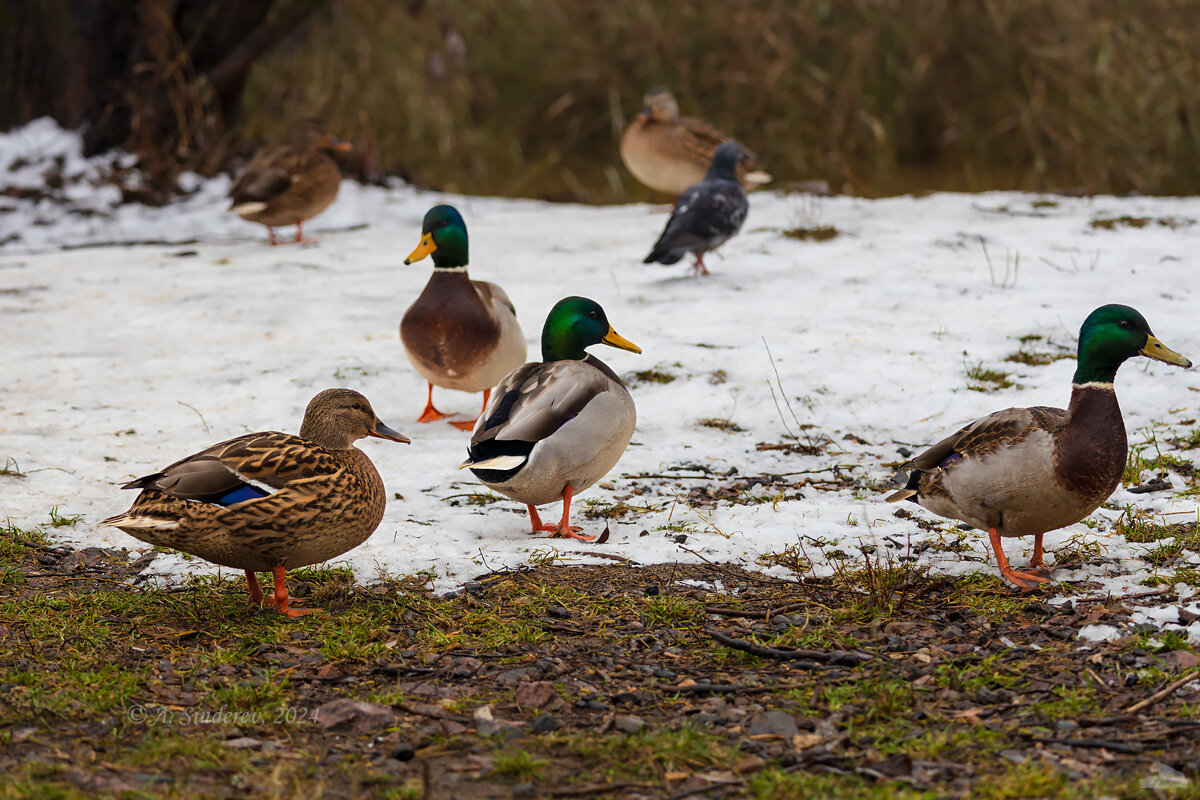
[(699, 267), (1036, 561), (564, 529), (279, 598), (468, 425), (430, 414), (271, 236), (300, 234), (256, 592), (1025, 580)]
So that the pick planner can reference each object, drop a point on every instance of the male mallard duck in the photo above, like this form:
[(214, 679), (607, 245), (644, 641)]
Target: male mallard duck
[(1026, 471), (268, 502), (289, 184), (557, 426), (707, 214), (668, 152), (459, 334)]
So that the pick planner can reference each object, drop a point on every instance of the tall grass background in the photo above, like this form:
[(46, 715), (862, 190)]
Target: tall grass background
[(529, 97)]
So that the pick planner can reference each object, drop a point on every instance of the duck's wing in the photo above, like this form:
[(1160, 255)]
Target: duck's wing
[(1001, 431), (528, 406), (248, 467), (493, 296), (268, 175)]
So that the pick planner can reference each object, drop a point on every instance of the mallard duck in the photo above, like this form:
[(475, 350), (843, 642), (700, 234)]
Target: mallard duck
[(269, 502), (557, 426), (669, 153), (289, 184), (707, 214), (459, 334), (1026, 471)]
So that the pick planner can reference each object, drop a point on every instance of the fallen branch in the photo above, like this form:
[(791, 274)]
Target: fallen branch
[(1117, 747), (594, 789), (1162, 694), (819, 659), (746, 614)]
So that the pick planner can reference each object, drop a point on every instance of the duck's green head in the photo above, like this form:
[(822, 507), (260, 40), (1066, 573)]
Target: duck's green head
[(1110, 335), (574, 324), (444, 235)]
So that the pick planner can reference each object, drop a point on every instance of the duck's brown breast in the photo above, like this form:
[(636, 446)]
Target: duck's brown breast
[(449, 331)]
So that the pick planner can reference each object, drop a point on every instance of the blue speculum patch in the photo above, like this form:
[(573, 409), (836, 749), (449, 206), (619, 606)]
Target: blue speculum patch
[(243, 492)]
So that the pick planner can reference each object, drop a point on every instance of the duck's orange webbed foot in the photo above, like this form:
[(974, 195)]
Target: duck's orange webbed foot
[(430, 414), (279, 599), (564, 529)]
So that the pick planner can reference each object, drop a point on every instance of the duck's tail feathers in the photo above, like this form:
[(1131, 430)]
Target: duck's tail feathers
[(128, 521), (903, 494), (495, 462), (252, 207)]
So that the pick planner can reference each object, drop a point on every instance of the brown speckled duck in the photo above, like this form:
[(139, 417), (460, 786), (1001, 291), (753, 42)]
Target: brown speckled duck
[(1027, 471), (558, 425), (290, 184), (269, 502), (669, 153), (459, 334)]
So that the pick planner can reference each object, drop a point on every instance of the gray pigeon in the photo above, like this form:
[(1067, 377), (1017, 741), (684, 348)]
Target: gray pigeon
[(707, 214)]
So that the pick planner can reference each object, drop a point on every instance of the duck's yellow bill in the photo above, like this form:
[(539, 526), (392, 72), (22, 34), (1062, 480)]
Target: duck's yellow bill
[(614, 339), (426, 247), (1160, 352)]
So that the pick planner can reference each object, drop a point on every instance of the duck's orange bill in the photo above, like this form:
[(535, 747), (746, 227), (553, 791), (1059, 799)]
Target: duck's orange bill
[(1160, 352), (614, 339), (426, 247)]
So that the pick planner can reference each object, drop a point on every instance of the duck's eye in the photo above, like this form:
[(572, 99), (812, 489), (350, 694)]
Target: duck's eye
[(593, 314), (357, 406), (1125, 324)]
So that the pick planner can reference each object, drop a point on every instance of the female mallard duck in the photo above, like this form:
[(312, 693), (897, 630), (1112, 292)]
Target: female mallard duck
[(1026, 471), (268, 502), (669, 153), (707, 215), (459, 334), (556, 427), (289, 184)]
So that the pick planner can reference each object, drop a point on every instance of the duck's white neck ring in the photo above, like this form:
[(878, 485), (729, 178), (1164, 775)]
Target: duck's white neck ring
[(462, 268), (1108, 387)]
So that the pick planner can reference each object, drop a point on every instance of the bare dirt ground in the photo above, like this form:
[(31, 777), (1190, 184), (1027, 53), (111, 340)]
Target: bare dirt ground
[(665, 681)]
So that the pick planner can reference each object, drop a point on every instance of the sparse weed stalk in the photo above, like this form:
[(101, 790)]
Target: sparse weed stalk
[(881, 586), (11, 469)]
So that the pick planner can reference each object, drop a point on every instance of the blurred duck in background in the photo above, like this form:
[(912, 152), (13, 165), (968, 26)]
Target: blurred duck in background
[(288, 184), (669, 153)]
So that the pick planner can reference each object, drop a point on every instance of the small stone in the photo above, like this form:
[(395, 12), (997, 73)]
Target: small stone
[(773, 723), (558, 612), (536, 694), (403, 752), (243, 743), (545, 723), (652, 591), (353, 716), (627, 723), (680, 538)]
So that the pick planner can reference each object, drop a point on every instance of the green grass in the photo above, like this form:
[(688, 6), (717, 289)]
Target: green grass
[(518, 764), (816, 233), (983, 379)]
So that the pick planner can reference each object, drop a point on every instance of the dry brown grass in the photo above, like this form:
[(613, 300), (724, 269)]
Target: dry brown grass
[(876, 96)]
